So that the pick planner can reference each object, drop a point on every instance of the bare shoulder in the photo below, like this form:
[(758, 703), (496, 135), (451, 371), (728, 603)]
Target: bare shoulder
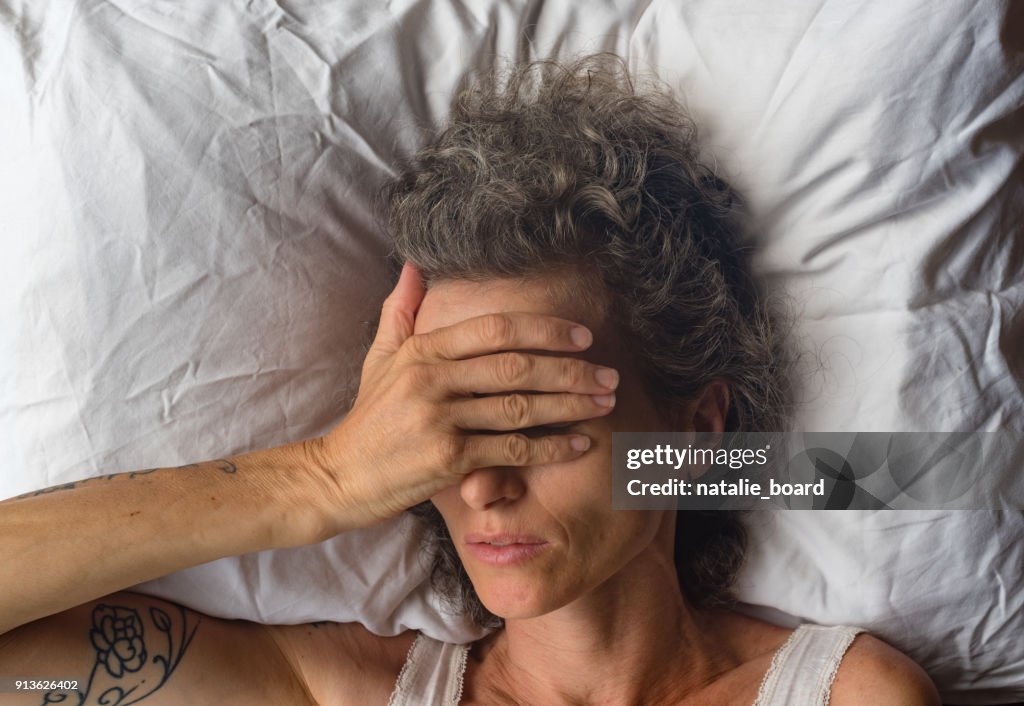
[(875, 672), (343, 663)]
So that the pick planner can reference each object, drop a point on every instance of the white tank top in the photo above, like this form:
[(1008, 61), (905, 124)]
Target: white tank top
[(801, 672)]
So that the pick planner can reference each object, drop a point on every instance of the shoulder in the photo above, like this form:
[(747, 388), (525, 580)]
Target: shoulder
[(749, 638), (875, 672), (334, 659)]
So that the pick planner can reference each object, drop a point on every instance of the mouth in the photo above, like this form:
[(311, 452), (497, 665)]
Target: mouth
[(504, 549), (502, 539)]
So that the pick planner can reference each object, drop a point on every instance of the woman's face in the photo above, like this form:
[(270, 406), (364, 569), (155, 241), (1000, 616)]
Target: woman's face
[(562, 511)]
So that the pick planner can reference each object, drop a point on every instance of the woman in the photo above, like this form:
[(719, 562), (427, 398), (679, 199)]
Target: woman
[(577, 271)]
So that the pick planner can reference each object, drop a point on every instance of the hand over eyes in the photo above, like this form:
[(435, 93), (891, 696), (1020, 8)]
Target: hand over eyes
[(435, 406)]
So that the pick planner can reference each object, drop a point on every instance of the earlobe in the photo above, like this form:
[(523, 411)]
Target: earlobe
[(709, 412)]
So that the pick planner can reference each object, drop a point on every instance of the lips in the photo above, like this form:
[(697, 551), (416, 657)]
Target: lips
[(502, 539), (504, 549)]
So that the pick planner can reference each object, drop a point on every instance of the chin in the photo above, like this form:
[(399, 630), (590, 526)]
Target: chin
[(517, 600)]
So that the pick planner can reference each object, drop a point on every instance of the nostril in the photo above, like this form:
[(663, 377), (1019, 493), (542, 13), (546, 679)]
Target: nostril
[(484, 487)]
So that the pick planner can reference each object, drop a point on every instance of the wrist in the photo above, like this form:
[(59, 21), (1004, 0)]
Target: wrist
[(336, 503), (294, 489)]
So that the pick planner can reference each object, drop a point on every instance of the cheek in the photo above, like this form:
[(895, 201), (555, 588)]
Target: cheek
[(615, 544), (577, 497)]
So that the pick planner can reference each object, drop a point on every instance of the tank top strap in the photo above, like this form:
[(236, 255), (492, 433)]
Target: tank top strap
[(803, 669), (432, 674)]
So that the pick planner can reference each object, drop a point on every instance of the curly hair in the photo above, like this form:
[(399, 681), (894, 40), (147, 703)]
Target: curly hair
[(561, 168)]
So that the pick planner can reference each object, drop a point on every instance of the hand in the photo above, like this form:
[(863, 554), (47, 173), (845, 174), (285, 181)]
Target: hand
[(419, 422)]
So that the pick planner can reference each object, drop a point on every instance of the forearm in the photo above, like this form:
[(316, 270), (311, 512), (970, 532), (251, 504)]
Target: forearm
[(73, 543)]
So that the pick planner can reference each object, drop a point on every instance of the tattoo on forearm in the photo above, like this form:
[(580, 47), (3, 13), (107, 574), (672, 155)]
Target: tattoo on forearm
[(134, 656), (223, 465)]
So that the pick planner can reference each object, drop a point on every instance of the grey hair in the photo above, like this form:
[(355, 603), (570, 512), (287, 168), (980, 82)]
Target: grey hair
[(571, 168)]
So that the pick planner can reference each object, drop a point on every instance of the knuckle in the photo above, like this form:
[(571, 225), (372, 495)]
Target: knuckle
[(498, 329), (517, 449), (513, 368), (555, 331), (427, 346), (452, 449), (575, 406), (437, 416), (419, 377), (552, 449), (573, 371), (412, 347), (516, 408), (389, 304)]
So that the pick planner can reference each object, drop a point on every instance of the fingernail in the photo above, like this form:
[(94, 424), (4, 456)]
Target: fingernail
[(604, 400), (581, 337), (607, 377), (580, 443)]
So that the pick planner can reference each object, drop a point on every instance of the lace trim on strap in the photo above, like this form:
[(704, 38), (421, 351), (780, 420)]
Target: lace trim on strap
[(460, 670), (433, 673), (399, 695), (774, 669), (803, 669)]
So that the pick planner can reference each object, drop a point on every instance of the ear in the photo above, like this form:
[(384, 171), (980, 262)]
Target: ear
[(708, 412)]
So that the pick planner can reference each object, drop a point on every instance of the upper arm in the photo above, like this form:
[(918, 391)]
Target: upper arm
[(129, 648), (874, 672)]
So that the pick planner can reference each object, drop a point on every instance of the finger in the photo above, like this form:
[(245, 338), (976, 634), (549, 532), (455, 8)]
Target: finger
[(510, 371), (398, 314), (503, 331), (521, 410), (484, 450)]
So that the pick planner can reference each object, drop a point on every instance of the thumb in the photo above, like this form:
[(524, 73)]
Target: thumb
[(398, 315)]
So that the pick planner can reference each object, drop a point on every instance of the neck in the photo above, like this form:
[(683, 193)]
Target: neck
[(634, 639)]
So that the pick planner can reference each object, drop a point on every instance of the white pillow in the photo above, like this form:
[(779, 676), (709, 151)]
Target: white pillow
[(191, 254)]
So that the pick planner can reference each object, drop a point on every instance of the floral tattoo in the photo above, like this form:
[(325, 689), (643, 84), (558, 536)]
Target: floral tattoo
[(117, 636), (133, 660)]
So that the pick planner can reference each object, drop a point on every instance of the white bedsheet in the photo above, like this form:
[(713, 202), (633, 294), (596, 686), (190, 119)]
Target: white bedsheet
[(189, 255)]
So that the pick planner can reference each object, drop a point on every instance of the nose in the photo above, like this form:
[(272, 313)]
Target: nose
[(484, 487)]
